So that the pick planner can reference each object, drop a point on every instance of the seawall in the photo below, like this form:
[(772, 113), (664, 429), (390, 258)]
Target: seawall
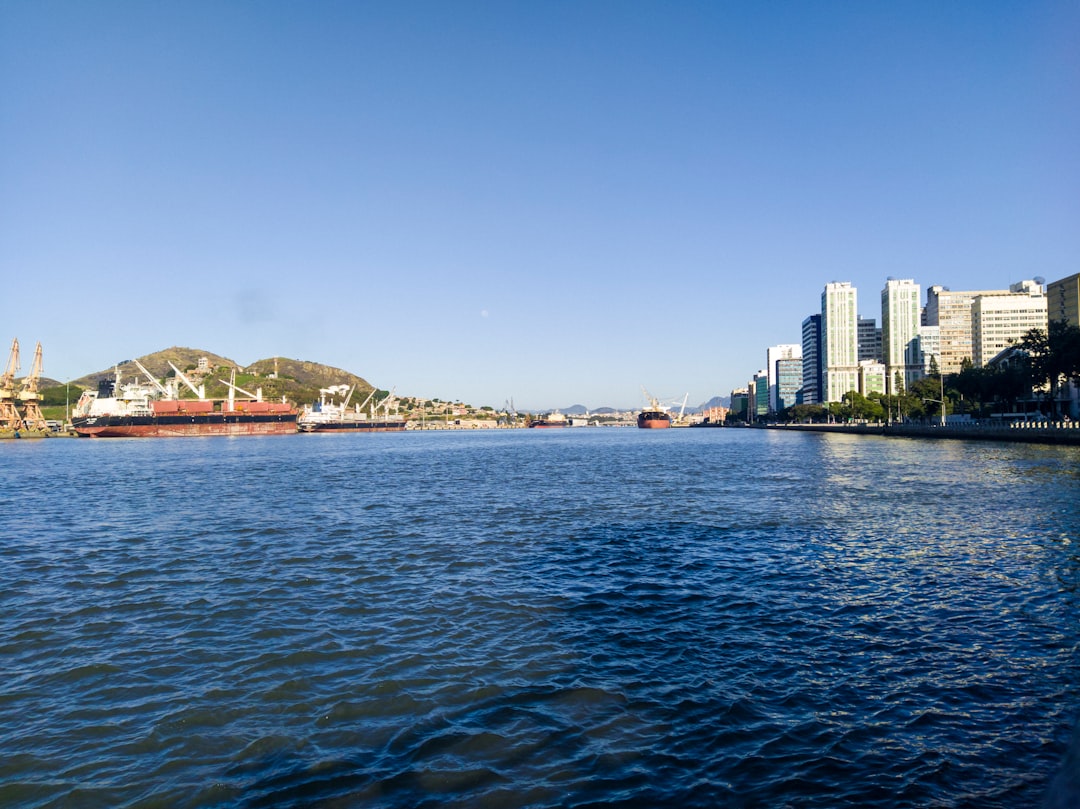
[(1025, 432)]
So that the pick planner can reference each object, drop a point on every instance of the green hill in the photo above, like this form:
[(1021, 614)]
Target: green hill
[(296, 380)]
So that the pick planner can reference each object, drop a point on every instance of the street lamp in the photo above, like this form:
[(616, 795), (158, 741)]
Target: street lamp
[(940, 401)]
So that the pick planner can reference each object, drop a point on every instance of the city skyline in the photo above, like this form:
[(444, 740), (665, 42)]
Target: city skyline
[(556, 205)]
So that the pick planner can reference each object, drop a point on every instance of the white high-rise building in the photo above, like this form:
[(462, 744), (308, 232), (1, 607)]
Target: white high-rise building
[(900, 316), (999, 320), (839, 340), (787, 351)]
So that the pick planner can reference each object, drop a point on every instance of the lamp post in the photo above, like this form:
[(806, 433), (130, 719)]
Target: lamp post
[(941, 378), (940, 401)]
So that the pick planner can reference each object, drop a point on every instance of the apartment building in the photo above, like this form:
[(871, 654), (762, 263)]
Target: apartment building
[(869, 339), (999, 320), (812, 371), (788, 382), (1063, 300), (773, 354), (900, 318), (839, 340)]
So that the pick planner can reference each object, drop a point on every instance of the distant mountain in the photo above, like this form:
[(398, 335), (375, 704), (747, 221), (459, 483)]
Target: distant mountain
[(296, 380), (576, 410), (716, 401)]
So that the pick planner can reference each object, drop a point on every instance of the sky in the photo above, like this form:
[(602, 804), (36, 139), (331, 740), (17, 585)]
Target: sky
[(553, 203)]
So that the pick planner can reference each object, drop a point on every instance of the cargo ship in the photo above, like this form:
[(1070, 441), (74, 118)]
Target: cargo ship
[(655, 416), (553, 419), (138, 409), (332, 414), (653, 419)]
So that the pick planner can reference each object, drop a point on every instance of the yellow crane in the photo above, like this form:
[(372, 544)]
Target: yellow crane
[(29, 396), (9, 413)]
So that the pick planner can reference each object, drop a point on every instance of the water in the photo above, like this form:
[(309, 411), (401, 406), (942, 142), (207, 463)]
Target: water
[(593, 617)]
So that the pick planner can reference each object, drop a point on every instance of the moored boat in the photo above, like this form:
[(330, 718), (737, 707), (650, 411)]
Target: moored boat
[(139, 409), (332, 414), (552, 419)]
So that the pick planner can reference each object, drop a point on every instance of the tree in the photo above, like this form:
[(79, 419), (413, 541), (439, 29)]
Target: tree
[(1004, 384), (804, 413), (925, 397), (857, 406), (1053, 356)]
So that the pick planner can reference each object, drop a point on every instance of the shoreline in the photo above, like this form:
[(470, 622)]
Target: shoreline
[(1058, 433)]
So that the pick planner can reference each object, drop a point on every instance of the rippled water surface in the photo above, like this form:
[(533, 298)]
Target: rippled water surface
[(588, 617)]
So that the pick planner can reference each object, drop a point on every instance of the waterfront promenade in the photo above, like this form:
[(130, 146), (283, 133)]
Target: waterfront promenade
[(1053, 432)]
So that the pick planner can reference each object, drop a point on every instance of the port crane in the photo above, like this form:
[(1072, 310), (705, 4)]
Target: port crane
[(387, 403), (682, 408), (29, 396), (654, 403), (9, 413), (153, 380), (383, 404), (198, 391), (234, 389), (511, 417)]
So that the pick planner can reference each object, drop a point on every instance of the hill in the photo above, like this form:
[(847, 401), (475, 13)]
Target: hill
[(716, 401), (297, 380)]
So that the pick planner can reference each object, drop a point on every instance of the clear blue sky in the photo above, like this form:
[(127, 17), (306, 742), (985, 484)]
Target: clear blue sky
[(557, 202)]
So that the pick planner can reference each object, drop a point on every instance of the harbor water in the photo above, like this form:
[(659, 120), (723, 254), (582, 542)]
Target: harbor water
[(528, 618)]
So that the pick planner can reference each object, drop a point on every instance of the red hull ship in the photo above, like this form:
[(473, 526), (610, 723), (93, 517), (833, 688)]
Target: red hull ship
[(197, 417), (136, 410), (653, 420), (655, 417)]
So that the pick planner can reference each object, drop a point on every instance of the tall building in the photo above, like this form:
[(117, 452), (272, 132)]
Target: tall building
[(759, 394), (1063, 305), (999, 320), (900, 317), (869, 339), (788, 382), (839, 340), (1063, 300), (951, 312), (812, 372), (740, 403), (774, 354)]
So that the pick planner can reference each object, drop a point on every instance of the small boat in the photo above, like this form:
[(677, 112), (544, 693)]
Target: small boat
[(332, 414)]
